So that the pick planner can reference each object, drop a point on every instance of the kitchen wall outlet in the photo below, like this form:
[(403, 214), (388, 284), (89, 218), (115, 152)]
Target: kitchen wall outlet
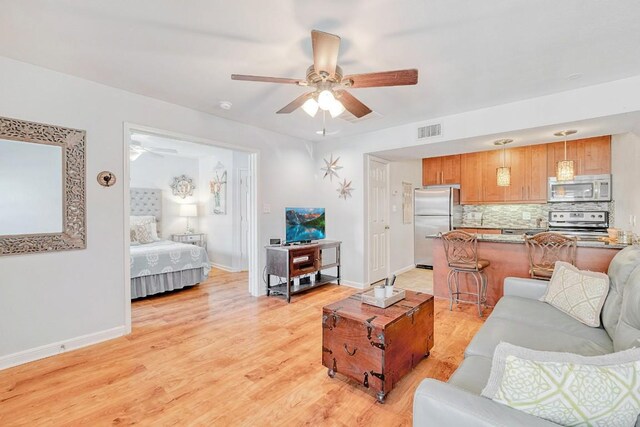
[(526, 215), (266, 208)]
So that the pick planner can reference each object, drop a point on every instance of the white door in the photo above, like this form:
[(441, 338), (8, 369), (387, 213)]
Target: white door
[(378, 220), (244, 219)]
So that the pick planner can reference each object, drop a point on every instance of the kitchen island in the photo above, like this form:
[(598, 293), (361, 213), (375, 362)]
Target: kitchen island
[(509, 258)]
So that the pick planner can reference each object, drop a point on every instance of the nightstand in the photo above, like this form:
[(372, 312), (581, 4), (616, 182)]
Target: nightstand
[(198, 239)]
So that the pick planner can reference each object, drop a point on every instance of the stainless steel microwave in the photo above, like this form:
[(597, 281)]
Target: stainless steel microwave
[(583, 188)]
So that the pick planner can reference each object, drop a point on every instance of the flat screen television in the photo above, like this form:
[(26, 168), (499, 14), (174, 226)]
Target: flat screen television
[(304, 224)]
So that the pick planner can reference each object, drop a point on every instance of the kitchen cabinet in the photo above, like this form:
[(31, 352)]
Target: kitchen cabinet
[(528, 174), (471, 178), (592, 156), (443, 170), (491, 192)]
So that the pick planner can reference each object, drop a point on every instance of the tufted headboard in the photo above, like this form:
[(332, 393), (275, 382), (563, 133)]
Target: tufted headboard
[(146, 201)]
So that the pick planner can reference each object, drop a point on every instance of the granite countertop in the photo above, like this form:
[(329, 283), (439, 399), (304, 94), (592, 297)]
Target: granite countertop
[(515, 238)]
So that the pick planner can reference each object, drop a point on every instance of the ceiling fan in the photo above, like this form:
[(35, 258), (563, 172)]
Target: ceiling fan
[(329, 83), (136, 149)]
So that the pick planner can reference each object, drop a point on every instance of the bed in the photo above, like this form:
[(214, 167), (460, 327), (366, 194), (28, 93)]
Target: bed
[(162, 265)]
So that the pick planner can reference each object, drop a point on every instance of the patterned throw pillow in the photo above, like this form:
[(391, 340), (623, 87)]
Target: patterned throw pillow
[(135, 220), (580, 294), (567, 389), (143, 233)]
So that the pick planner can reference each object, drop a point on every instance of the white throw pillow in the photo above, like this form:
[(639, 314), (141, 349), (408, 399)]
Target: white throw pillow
[(565, 388), (580, 294), (143, 233), (135, 220)]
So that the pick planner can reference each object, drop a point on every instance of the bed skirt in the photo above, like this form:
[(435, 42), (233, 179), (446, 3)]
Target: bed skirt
[(165, 282)]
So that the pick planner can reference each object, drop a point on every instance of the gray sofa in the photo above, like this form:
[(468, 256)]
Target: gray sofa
[(521, 319)]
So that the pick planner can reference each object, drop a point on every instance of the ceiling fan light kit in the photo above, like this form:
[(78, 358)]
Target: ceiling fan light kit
[(330, 85)]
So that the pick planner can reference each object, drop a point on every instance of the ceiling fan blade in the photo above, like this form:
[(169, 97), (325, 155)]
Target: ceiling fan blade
[(384, 78), (295, 104), (352, 104), (163, 150), (325, 52), (267, 79)]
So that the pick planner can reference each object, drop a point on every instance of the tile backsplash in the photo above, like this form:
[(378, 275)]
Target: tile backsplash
[(511, 216)]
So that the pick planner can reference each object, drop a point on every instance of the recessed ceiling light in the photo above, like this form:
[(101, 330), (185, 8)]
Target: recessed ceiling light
[(575, 76), (225, 105)]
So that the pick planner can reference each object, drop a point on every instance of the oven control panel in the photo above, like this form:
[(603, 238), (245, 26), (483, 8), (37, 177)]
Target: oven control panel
[(596, 217)]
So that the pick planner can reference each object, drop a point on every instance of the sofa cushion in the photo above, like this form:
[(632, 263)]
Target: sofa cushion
[(578, 293), (472, 375), (628, 329), (544, 316), (496, 330), (566, 388), (620, 269)]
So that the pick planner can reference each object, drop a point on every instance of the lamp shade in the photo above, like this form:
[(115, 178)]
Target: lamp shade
[(565, 171), (188, 210), (503, 176)]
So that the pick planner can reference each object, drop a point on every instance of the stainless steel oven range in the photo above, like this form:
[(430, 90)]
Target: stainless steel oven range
[(589, 225)]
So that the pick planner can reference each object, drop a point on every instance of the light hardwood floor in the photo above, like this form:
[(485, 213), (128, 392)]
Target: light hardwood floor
[(213, 355)]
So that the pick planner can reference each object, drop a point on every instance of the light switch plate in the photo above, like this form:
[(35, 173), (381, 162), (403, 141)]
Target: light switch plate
[(526, 215)]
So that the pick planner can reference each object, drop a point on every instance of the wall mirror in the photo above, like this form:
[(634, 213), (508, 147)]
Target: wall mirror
[(42, 187)]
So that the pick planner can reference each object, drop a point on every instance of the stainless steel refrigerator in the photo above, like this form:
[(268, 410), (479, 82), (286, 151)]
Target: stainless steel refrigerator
[(436, 210)]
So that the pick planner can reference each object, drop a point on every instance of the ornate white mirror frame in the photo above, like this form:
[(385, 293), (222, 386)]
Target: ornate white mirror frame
[(72, 142)]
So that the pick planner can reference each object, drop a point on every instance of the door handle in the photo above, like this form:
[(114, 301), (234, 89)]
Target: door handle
[(386, 227)]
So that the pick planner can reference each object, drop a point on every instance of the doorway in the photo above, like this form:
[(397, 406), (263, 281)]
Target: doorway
[(377, 218), (204, 202)]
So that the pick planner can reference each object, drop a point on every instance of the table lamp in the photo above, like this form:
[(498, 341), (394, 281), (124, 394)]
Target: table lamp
[(188, 211)]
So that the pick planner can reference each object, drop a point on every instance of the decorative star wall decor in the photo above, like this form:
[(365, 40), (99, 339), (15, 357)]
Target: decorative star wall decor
[(344, 189), (331, 168)]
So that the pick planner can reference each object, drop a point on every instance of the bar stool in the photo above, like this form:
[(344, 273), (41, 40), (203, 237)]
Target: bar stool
[(461, 250), (545, 249)]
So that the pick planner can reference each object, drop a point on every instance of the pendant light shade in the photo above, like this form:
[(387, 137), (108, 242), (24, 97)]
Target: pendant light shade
[(503, 173), (310, 107), (503, 176), (565, 169)]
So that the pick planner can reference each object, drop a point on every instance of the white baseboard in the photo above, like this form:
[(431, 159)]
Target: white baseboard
[(352, 284), (225, 268), (404, 269), (64, 346)]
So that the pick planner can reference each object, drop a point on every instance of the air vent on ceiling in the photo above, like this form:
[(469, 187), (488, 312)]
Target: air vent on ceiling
[(429, 131)]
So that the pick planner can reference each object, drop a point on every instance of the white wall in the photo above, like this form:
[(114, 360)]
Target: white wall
[(77, 297), (218, 228), (401, 234), (149, 171), (625, 162), (591, 102)]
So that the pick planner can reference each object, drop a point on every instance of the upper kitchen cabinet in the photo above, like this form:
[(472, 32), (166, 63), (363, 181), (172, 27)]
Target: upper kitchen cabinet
[(471, 178), (441, 170), (592, 156), (536, 171), (491, 192)]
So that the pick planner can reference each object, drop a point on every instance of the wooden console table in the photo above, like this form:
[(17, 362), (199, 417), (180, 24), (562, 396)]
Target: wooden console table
[(295, 261)]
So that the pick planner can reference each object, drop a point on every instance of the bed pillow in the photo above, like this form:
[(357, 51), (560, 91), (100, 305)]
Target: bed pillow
[(133, 238), (143, 233), (566, 388), (580, 294), (135, 220)]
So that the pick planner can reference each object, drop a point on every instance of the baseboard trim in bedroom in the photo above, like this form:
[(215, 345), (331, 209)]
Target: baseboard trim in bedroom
[(59, 347), (225, 268), (351, 284)]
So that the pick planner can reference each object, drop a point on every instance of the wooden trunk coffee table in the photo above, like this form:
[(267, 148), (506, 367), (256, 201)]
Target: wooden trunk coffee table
[(377, 346)]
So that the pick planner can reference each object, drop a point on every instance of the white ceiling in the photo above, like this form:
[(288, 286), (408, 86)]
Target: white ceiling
[(185, 149), (470, 54), (609, 125)]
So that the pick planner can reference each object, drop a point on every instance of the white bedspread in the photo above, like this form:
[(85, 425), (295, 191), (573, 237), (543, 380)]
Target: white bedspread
[(166, 256)]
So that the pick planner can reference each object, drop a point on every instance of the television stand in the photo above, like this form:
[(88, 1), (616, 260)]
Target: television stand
[(293, 262)]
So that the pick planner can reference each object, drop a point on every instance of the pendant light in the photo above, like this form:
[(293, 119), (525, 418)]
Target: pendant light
[(565, 169), (503, 173)]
